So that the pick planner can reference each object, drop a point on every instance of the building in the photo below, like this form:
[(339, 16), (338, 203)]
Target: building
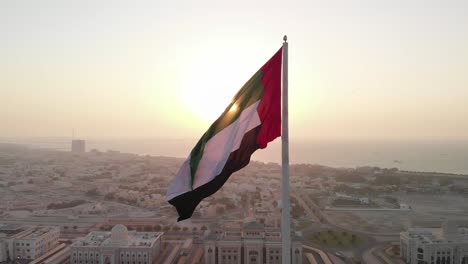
[(253, 243), (446, 245), (26, 242), (58, 255), (78, 146), (119, 246), (347, 200)]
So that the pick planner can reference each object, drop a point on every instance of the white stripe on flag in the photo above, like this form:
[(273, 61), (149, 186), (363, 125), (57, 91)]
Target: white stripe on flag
[(220, 146), (215, 154)]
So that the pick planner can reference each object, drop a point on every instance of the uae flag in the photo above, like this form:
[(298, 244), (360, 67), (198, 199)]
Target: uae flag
[(251, 120)]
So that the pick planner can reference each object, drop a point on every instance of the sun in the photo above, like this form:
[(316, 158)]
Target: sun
[(206, 94), (233, 108)]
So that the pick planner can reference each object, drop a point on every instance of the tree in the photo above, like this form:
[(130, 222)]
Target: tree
[(75, 227), (350, 176), (185, 229), (275, 204), (109, 196), (204, 228), (148, 228), (220, 210), (92, 192), (244, 200), (157, 228), (175, 228), (194, 229), (387, 179), (445, 181)]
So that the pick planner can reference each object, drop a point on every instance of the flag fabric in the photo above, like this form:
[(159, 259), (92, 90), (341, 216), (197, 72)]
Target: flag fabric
[(251, 120)]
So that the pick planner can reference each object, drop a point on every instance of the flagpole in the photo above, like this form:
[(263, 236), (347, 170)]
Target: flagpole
[(285, 204)]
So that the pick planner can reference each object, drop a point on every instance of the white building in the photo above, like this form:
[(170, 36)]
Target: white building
[(26, 242), (251, 244), (58, 255), (446, 245), (78, 146), (344, 197), (119, 246)]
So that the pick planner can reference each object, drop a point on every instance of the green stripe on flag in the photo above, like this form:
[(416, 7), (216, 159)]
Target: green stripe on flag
[(251, 92)]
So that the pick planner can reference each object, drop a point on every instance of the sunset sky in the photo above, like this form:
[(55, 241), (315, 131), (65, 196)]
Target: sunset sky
[(165, 69)]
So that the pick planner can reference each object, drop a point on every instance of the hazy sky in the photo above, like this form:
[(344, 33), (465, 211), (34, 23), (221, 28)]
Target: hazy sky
[(358, 69)]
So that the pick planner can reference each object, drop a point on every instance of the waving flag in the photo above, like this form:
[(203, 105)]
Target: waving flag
[(250, 121)]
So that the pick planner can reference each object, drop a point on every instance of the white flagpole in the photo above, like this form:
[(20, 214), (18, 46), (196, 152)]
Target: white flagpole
[(285, 205)]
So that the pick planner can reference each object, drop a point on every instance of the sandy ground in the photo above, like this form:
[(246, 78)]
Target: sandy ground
[(427, 211), (444, 205)]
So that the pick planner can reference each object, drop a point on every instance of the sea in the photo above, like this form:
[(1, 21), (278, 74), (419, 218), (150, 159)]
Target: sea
[(427, 156)]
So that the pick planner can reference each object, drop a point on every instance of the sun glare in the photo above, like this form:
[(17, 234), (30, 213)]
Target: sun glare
[(233, 108), (207, 92)]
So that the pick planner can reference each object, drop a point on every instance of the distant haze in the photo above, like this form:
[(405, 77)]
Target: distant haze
[(429, 156), (358, 69)]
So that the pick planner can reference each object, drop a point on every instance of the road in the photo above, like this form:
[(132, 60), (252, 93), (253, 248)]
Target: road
[(319, 255), (375, 255), (306, 207), (314, 211), (311, 208), (369, 257)]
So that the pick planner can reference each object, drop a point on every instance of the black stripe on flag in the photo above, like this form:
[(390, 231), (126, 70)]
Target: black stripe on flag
[(187, 202)]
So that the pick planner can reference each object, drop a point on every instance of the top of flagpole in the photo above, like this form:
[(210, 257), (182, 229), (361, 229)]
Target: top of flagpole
[(285, 38)]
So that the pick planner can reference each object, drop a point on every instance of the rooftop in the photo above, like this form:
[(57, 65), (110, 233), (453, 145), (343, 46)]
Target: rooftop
[(437, 235), (38, 232), (9, 230), (107, 239), (253, 226)]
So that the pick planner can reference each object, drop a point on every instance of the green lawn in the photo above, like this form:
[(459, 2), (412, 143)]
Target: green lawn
[(304, 223), (335, 239)]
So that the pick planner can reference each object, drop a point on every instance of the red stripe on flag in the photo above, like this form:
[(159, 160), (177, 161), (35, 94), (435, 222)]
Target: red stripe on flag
[(269, 108)]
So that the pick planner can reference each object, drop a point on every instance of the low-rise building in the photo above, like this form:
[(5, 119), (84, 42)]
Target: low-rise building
[(343, 199), (448, 244), (78, 146), (58, 255), (27, 242), (253, 243), (119, 246)]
